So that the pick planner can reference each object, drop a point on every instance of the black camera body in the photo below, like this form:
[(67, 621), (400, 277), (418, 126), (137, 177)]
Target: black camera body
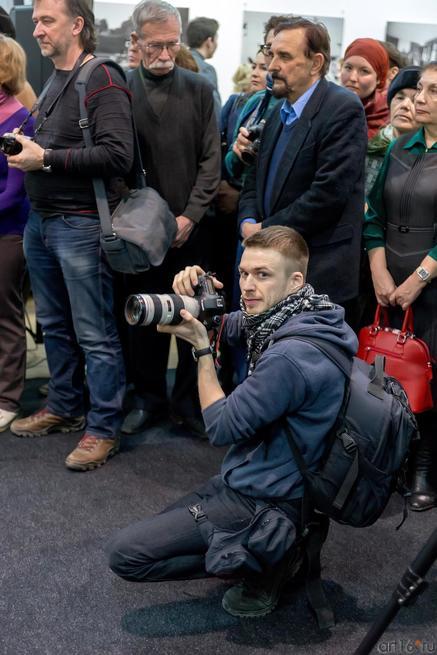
[(9, 144), (249, 154), (207, 305), (212, 303)]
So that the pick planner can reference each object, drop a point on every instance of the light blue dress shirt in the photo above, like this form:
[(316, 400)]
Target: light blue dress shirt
[(291, 112)]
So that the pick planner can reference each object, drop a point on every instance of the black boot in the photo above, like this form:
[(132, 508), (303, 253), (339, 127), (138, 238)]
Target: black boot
[(423, 484), (260, 594)]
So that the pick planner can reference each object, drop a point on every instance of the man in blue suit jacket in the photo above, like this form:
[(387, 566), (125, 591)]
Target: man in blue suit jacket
[(310, 169)]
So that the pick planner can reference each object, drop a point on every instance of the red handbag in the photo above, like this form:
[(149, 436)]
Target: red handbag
[(407, 358)]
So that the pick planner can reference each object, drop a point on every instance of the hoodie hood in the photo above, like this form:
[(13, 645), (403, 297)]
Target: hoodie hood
[(328, 325), (292, 381)]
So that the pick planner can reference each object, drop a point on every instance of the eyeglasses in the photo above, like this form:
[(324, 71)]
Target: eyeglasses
[(156, 48), (266, 49)]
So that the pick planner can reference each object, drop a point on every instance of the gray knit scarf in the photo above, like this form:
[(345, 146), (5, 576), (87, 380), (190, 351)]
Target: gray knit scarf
[(259, 327)]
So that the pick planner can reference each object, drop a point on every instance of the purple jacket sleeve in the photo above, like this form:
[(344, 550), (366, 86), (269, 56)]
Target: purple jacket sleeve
[(12, 182)]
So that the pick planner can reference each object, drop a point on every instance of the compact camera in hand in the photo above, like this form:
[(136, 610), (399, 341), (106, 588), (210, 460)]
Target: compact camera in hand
[(9, 144), (207, 305), (250, 153)]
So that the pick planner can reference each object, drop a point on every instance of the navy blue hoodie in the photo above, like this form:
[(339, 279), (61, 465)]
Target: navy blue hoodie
[(294, 379)]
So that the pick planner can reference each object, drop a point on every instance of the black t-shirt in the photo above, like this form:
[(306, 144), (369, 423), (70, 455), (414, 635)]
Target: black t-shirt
[(68, 188)]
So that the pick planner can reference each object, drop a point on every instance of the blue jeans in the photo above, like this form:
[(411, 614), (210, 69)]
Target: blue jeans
[(72, 288)]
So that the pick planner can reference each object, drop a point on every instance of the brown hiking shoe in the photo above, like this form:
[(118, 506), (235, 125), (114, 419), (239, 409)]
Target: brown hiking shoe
[(41, 423), (91, 452)]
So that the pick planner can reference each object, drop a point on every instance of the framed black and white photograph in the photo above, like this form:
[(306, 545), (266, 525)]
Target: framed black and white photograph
[(114, 26), (417, 41)]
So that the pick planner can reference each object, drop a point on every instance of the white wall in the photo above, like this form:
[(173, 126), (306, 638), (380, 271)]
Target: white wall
[(360, 19), (254, 22)]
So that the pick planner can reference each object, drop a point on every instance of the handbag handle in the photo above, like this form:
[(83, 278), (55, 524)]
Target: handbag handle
[(381, 312), (408, 324)]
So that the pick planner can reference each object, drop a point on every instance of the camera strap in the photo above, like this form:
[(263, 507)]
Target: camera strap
[(42, 95), (215, 343)]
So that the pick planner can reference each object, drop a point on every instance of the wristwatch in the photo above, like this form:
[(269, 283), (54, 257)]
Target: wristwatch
[(423, 274), (203, 351), (44, 167)]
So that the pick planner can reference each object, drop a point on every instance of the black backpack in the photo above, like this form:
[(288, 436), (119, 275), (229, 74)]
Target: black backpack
[(364, 461), (367, 448)]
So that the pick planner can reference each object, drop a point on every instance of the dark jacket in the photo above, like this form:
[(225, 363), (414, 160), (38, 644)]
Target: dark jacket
[(293, 379), (319, 189), (209, 73)]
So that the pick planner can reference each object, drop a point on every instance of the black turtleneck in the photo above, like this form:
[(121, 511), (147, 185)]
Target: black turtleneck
[(157, 88), (178, 137)]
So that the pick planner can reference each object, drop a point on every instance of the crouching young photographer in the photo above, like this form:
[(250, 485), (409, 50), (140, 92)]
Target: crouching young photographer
[(245, 522)]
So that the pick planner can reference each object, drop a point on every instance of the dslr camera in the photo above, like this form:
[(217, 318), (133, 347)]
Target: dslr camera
[(250, 153), (9, 144), (207, 305)]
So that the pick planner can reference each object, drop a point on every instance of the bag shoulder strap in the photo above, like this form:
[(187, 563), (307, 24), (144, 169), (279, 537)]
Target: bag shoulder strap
[(338, 358), (344, 363), (334, 353), (80, 84)]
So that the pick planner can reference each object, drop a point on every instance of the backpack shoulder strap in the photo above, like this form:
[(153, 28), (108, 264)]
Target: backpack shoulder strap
[(315, 525), (334, 353), (338, 357), (344, 363)]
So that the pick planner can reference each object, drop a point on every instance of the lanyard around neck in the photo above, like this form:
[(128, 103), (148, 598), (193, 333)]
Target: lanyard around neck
[(37, 105)]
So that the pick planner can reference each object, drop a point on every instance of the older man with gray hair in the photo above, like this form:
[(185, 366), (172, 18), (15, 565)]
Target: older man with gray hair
[(180, 148)]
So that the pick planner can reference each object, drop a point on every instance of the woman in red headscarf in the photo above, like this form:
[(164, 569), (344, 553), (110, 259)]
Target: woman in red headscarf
[(364, 71)]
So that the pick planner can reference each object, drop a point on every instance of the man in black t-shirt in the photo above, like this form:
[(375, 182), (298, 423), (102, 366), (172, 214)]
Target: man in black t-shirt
[(71, 281)]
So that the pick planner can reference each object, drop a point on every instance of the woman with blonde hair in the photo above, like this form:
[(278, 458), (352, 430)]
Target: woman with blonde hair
[(14, 209), (26, 95)]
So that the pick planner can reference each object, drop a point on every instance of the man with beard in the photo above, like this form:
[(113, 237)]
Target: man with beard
[(310, 169), (71, 280)]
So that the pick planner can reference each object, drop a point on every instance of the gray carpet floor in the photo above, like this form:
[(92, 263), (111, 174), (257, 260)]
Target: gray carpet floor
[(58, 595)]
